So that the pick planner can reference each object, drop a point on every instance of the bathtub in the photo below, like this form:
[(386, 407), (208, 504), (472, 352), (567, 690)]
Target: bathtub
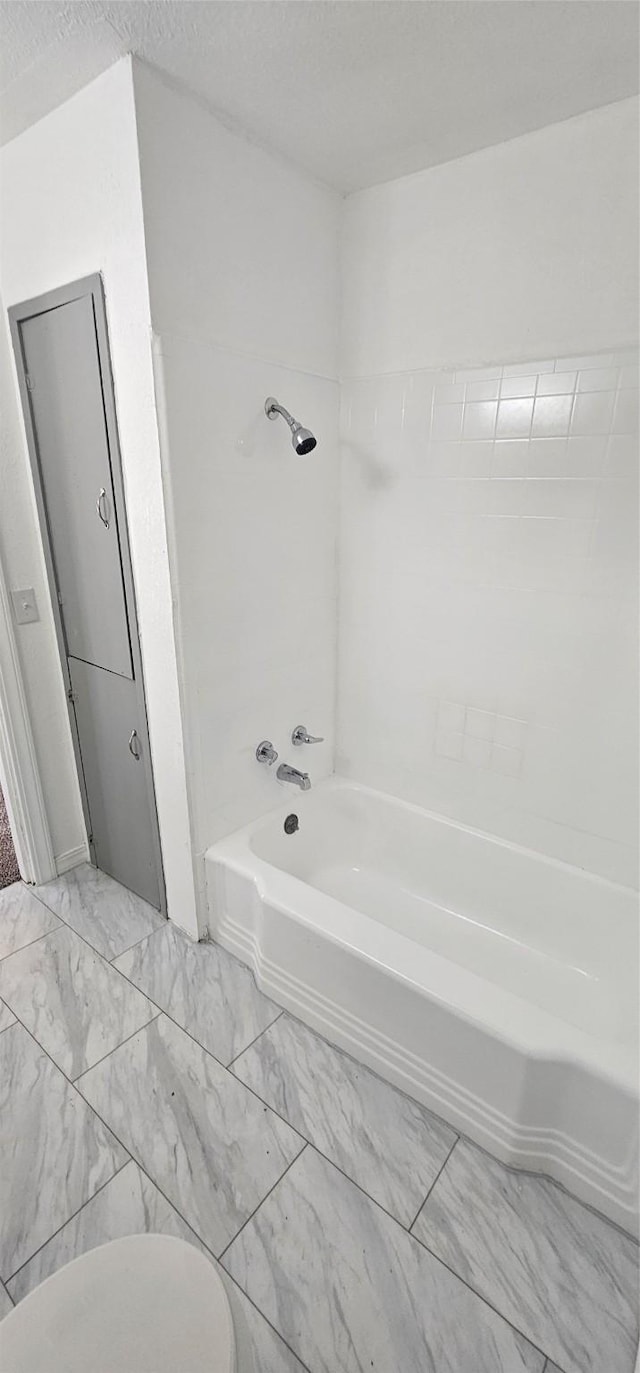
[(496, 986)]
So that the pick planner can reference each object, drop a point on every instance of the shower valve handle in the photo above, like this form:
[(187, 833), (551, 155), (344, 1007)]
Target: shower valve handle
[(301, 736), (265, 753)]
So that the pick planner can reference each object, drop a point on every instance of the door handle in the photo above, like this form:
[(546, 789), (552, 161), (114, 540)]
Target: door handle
[(102, 497), (133, 745)]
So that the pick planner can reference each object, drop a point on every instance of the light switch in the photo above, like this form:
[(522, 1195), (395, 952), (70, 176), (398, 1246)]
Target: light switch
[(25, 608)]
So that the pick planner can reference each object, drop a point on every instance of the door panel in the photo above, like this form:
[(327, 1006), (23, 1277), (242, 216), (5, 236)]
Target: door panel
[(65, 393), (117, 787)]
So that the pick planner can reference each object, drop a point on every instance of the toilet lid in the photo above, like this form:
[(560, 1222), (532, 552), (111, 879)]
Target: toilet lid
[(149, 1303)]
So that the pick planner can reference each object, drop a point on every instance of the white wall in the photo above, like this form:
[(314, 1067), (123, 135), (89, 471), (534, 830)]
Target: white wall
[(524, 250), (243, 276), (72, 206), (488, 611)]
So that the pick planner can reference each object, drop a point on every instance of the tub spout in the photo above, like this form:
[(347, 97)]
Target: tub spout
[(286, 773)]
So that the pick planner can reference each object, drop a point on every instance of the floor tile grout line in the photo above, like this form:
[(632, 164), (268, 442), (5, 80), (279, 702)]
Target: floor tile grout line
[(299, 1154), (254, 1093), (74, 1080), (228, 1066), (4, 1287), (191, 1228), (332, 1161), (131, 1158), (264, 1103), (152, 1179), (471, 1289), (135, 1161), (461, 1136), (177, 1023), (5, 956), (511, 1168), (191, 1036), (66, 1222), (405, 1231), (306, 1143), (481, 1298), (72, 930), (255, 1041), (97, 954), (109, 963), (160, 1010), (36, 892), (284, 1011), (435, 1180), (305, 1368), (143, 938), (73, 1087), (212, 1253), (359, 1063), (69, 926)]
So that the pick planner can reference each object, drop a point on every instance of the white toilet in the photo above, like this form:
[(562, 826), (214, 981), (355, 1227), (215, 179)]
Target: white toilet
[(144, 1304)]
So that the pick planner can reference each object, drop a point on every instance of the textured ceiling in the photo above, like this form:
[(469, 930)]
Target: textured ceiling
[(352, 91)]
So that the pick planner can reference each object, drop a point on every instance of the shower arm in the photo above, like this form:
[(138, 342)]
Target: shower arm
[(273, 408)]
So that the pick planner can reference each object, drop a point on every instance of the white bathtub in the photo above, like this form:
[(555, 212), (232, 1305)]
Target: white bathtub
[(498, 987)]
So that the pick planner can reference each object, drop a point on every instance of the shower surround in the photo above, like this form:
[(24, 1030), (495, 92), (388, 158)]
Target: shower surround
[(488, 557), (457, 905)]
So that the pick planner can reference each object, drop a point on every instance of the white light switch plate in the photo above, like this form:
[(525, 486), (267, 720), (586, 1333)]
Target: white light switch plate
[(25, 607)]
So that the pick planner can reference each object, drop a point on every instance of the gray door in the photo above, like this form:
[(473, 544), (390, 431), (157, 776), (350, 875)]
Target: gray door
[(65, 391), (64, 372), (113, 758)]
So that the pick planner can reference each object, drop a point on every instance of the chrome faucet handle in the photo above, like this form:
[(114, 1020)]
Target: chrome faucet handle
[(301, 736), (265, 753)]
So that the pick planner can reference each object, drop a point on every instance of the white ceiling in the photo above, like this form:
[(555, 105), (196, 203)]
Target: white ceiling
[(353, 91)]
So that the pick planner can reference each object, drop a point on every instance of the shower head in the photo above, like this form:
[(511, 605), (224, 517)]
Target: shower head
[(302, 439)]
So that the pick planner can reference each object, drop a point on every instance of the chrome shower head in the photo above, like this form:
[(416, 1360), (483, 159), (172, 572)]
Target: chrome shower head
[(302, 439)]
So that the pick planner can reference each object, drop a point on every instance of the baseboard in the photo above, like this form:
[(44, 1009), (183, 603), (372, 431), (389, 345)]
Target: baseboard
[(71, 859)]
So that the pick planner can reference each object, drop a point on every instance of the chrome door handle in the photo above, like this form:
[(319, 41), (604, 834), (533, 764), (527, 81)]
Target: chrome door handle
[(102, 497), (301, 736), (133, 740)]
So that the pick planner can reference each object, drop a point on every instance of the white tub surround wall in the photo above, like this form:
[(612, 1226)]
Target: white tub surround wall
[(243, 273), (72, 206), (495, 986), (488, 635), (488, 621)]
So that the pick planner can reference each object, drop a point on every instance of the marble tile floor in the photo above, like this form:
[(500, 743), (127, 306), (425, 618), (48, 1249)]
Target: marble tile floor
[(147, 1084)]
